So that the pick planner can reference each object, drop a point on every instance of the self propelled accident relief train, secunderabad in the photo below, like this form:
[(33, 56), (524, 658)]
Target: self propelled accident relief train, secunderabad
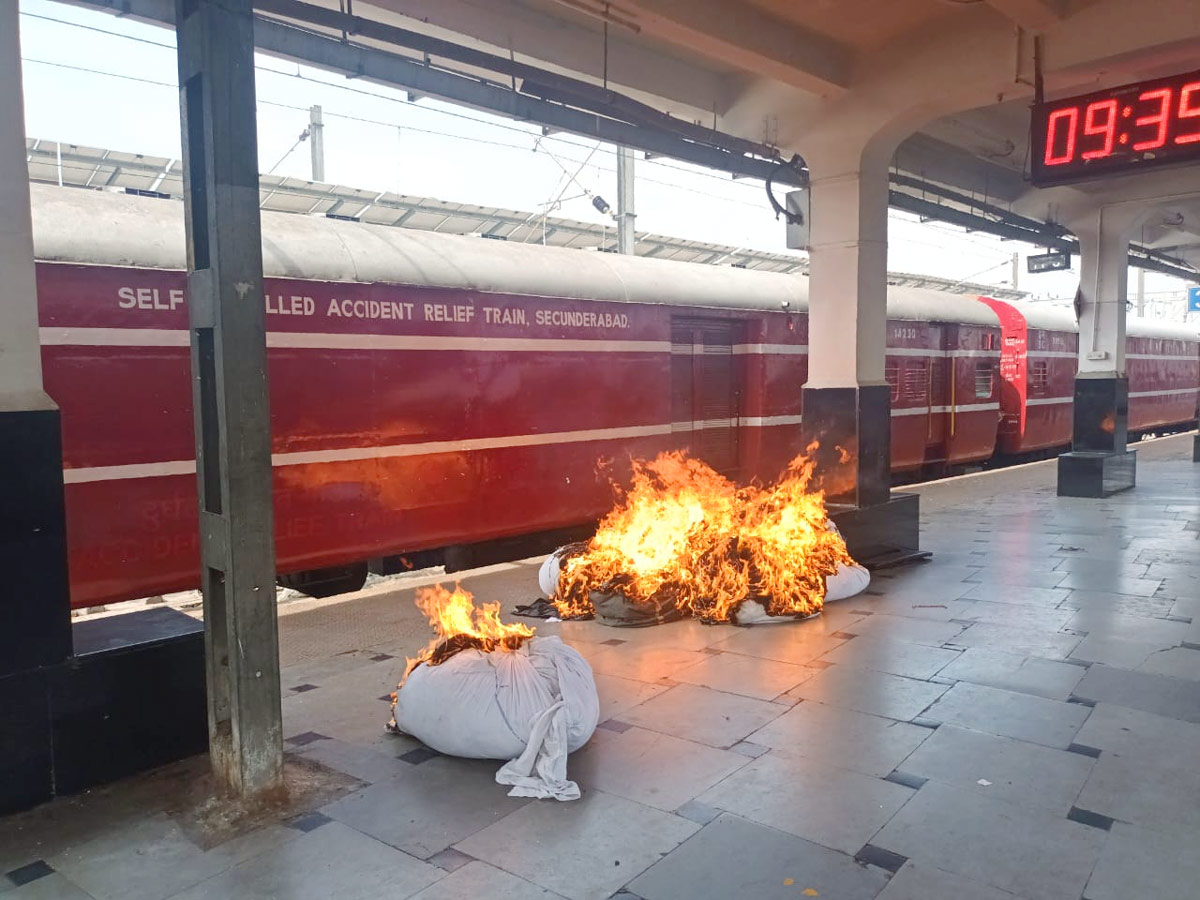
[(434, 398)]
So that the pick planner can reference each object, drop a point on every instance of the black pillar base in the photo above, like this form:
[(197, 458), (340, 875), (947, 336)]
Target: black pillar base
[(1090, 474), (1196, 448), (1099, 463), (131, 699), (26, 741), (883, 535), (35, 601), (852, 430), (1101, 415)]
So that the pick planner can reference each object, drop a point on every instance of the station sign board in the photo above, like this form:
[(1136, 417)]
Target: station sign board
[(1054, 261), (1194, 299)]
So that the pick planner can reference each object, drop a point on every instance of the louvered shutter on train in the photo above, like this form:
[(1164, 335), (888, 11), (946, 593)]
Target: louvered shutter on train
[(704, 389)]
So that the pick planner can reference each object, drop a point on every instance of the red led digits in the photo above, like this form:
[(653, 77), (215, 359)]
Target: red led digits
[(1189, 108), (1071, 114), (1108, 127), (1159, 118), (1131, 127)]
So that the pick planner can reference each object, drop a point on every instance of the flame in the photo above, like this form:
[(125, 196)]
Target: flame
[(461, 625), (686, 533)]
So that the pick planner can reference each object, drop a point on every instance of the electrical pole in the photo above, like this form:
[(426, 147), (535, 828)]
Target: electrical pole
[(1141, 292), (1016, 269), (227, 320), (316, 140), (625, 213)]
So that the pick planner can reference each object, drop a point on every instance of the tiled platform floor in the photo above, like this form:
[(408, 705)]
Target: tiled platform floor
[(1019, 718)]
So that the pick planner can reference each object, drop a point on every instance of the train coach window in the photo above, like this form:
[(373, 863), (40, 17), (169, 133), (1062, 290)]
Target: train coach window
[(891, 373), (983, 380), (1039, 376), (916, 383)]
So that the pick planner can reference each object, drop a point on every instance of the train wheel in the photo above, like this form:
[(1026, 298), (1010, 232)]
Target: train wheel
[(327, 582)]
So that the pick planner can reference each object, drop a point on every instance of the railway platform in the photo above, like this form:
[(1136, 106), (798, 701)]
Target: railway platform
[(1017, 719)]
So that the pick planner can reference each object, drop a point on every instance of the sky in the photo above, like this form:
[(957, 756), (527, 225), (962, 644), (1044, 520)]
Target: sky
[(96, 80)]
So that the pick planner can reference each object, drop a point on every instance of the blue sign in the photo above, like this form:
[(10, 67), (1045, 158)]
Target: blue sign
[(1194, 299)]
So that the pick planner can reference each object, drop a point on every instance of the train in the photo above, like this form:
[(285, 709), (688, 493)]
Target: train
[(445, 399)]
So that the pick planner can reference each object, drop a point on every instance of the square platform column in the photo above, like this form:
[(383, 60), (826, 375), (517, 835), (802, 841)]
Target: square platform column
[(846, 401), (35, 615), (1100, 463), (229, 377)]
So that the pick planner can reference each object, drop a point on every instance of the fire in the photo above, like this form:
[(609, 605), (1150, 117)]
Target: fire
[(461, 625), (686, 533)]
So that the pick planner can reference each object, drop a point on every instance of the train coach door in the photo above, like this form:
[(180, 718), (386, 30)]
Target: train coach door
[(940, 378), (704, 389)]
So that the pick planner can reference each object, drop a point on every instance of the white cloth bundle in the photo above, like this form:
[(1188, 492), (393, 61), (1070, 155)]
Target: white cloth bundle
[(531, 706)]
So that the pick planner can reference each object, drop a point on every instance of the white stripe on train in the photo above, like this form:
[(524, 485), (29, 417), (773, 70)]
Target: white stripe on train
[(1175, 392), (161, 337), (57, 336), (350, 454)]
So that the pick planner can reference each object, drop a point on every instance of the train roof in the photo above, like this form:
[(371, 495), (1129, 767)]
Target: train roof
[(1048, 317), (107, 228)]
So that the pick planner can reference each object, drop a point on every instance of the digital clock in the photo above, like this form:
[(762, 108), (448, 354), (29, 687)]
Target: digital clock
[(1124, 129)]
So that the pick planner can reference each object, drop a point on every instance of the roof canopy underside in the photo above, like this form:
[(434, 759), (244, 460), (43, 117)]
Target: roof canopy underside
[(943, 87), (781, 72)]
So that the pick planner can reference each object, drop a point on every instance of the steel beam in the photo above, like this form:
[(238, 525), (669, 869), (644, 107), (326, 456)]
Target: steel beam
[(229, 378)]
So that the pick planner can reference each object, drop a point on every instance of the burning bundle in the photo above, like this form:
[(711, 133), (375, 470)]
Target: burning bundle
[(486, 690), (460, 625), (687, 538)]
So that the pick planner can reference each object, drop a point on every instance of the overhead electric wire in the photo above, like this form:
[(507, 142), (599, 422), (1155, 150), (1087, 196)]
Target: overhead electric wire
[(416, 130), (492, 123), (98, 30), (378, 96)]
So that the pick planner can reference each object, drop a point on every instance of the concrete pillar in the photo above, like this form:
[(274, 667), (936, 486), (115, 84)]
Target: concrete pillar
[(229, 367), (625, 200), (1099, 463), (846, 399), (316, 141), (35, 615), (35, 620)]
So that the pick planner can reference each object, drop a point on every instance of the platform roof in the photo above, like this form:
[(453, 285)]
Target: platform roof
[(954, 77)]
